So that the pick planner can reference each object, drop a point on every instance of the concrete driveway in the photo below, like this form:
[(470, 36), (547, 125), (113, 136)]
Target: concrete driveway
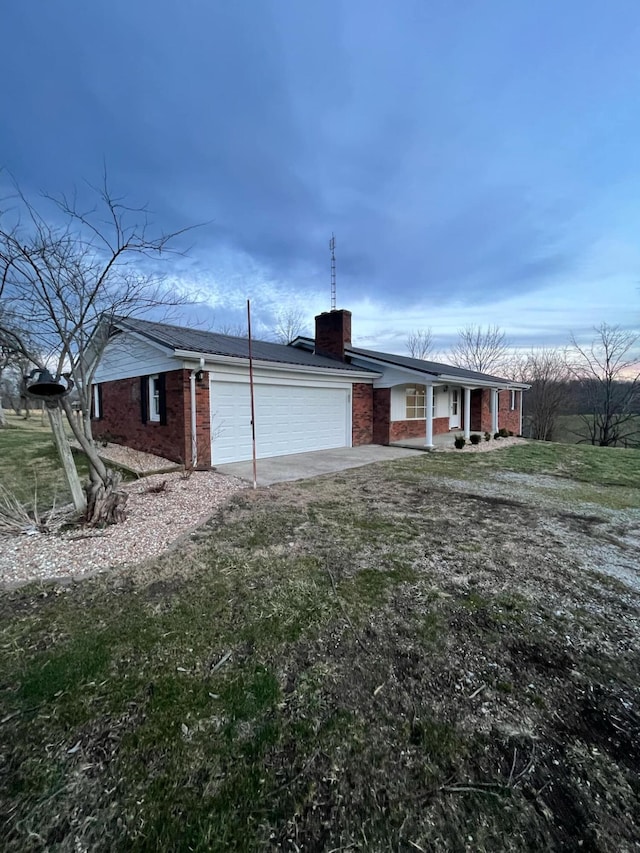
[(301, 466)]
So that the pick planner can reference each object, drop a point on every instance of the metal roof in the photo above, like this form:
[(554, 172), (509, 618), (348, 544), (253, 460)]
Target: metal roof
[(212, 343), (435, 368)]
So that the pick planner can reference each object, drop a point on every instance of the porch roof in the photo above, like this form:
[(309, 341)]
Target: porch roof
[(438, 370)]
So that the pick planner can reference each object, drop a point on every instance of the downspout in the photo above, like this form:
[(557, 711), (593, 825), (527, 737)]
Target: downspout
[(194, 428)]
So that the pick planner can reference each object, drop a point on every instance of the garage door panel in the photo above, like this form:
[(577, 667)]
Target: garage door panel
[(289, 419)]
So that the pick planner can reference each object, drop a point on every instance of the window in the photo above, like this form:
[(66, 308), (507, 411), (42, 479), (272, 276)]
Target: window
[(153, 404), (154, 398), (454, 401), (416, 402)]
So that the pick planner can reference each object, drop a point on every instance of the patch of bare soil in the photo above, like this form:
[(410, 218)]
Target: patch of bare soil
[(455, 671), (494, 695)]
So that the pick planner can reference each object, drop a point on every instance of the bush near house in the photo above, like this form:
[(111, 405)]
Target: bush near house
[(396, 657), (475, 438)]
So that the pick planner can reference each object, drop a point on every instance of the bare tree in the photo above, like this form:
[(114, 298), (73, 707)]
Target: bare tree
[(478, 349), (67, 279), (609, 381), (234, 330), (546, 371), (11, 356), (420, 343), (290, 324)]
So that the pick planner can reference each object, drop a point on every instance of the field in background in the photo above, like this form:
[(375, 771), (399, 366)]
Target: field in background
[(571, 430), (29, 464)]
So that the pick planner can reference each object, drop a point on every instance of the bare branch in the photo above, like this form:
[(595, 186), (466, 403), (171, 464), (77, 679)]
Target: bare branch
[(547, 373), (63, 283), (483, 350), (420, 343), (290, 324), (608, 376)]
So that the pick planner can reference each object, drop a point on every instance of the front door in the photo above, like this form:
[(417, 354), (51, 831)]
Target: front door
[(454, 408)]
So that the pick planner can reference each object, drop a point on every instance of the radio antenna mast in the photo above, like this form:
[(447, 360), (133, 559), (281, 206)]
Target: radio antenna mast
[(332, 247)]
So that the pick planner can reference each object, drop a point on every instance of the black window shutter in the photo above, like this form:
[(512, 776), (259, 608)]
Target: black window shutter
[(162, 395), (100, 409), (144, 398)]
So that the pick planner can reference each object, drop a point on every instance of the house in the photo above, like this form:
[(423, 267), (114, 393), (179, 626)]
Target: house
[(184, 394)]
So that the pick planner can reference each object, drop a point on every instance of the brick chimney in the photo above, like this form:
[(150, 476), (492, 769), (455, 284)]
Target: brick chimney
[(333, 333)]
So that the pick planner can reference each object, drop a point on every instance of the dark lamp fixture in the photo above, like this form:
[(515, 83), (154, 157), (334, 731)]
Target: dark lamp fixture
[(45, 387), (200, 375)]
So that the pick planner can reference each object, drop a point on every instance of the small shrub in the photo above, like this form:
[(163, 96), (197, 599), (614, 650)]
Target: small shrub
[(497, 435), (511, 432), (475, 438), (487, 436), (459, 442), (504, 432)]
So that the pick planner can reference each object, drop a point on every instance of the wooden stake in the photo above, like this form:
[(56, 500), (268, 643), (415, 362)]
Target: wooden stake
[(66, 458)]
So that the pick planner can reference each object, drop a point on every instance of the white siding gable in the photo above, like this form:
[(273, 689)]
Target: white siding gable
[(126, 356)]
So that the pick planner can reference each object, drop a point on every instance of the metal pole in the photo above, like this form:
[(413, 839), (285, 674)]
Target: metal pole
[(253, 410)]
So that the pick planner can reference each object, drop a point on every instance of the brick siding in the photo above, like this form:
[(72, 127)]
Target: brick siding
[(481, 411), (333, 332), (381, 415), (121, 419), (417, 429), (362, 414), (507, 418)]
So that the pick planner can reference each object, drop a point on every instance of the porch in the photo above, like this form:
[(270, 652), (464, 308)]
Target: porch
[(444, 439), (431, 415)]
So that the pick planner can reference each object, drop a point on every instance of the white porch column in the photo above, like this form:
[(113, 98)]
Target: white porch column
[(494, 411), (429, 417), (467, 413), (520, 392)]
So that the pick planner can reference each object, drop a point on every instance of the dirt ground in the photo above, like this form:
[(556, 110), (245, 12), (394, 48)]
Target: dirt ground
[(419, 658)]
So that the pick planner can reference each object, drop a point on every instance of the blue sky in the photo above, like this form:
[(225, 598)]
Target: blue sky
[(478, 161)]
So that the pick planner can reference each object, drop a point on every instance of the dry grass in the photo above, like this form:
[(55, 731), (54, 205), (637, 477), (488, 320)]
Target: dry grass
[(377, 660)]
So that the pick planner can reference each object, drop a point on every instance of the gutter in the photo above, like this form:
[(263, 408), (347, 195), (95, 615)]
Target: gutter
[(212, 358), (194, 427)]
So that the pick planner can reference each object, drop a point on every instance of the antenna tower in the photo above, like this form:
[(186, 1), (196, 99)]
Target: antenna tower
[(332, 247)]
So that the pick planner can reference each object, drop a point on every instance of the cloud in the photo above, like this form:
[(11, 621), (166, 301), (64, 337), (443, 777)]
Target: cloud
[(453, 164)]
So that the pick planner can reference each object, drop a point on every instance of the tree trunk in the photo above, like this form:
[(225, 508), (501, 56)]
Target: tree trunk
[(3, 420), (105, 504), (66, 457)]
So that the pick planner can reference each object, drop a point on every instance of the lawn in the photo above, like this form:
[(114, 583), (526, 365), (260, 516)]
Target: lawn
[(29, 464), (438, 654), (570, 429)]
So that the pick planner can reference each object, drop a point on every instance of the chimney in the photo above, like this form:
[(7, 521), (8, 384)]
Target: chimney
[(333, 333)]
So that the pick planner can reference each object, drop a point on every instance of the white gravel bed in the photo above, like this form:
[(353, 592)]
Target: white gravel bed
[(154, 521), (136, 460)]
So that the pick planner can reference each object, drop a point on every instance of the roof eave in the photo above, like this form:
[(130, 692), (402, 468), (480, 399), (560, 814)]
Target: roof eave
[(468, 381), (276, 365)]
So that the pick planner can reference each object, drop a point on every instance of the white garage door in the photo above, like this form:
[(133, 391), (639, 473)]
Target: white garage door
[(289, 419)]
